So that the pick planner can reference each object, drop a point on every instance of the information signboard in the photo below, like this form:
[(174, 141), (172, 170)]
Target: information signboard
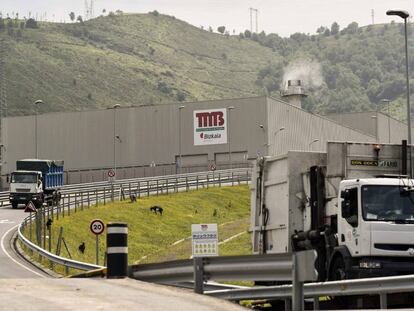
[(204, 240)]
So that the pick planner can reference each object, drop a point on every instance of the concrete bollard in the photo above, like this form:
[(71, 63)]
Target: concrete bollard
[(117, 250)]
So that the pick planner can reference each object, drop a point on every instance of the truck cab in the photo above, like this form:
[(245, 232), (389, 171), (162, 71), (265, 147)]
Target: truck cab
[(25, 186), (375, 228), (36, 180)]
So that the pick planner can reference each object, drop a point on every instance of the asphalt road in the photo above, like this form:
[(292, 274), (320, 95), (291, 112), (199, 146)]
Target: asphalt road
[(11, 264), (102, 294)]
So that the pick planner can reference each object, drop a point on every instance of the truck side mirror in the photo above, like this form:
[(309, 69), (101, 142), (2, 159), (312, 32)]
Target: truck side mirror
[(345, 194), (346, 208)]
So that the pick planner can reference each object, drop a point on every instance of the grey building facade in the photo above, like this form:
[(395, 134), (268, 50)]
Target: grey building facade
[(148, 140)]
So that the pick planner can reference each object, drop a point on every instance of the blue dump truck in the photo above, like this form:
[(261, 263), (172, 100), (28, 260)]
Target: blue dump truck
[(36, 180)]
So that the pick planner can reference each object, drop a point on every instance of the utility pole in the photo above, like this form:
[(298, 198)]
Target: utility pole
[(3, 99), (251, 20), (256, 19)]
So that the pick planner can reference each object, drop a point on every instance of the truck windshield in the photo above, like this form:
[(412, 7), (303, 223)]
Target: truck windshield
[(388, 203), (24, 178)]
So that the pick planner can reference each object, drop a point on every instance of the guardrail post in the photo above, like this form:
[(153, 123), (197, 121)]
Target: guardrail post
[(219, 180), (157, 187), (232, 179), (81, 201), (166, 183), (176, 185), (117, 250), (96, 198), (148, 188), (89, 200), (104, 195), (207, 181), (198, 275), (68, 207), (139, 190), (297, 286), (186, 184), (197, 182), (383, 301), (44, 226), (30, 228), (288, 303), (316, 303)]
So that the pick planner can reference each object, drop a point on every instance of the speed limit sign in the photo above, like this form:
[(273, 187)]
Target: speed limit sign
[(97, 226)]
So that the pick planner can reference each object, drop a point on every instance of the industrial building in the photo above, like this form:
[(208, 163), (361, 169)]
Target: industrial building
[(164, 139)]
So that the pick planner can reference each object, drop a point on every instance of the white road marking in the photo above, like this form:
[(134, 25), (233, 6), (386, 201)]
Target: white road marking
[(6, 221), (8, 255)]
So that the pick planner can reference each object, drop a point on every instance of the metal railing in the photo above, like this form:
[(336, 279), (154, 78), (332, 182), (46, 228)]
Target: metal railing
[(371, 286), (297, 268), (154, 185), (76, 199)]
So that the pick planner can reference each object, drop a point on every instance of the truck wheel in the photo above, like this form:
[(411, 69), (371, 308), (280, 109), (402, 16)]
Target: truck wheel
[(14, 205), (338, 273), (338, 270)]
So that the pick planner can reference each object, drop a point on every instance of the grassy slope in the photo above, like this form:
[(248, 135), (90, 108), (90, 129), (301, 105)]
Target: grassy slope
[(122, 59), (152, 235)]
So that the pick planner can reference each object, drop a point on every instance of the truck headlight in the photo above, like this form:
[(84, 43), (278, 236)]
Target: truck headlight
[(370, 264)]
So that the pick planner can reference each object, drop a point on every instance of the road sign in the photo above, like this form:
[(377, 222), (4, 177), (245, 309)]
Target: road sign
[(212, 167), (30, 208), (111, 173), (97, 226), (204, 240)]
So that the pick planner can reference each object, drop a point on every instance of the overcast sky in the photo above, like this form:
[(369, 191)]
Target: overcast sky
[(279, 16)]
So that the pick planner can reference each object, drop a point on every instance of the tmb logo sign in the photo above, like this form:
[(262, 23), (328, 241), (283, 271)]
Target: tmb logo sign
[(210, 127)]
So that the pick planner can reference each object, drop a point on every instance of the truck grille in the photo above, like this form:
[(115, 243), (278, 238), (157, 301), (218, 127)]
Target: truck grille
[(393, 247), (22, 190)]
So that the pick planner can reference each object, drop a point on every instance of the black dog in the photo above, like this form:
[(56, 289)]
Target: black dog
[(133, 198), (156, 209)]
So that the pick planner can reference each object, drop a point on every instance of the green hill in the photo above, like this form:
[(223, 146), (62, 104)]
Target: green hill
[(130, 60), (133, 59)]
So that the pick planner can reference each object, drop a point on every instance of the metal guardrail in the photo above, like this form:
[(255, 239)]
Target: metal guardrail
[(297, 267), (377, 286), (251, 267), (52, 257), (74, 199)]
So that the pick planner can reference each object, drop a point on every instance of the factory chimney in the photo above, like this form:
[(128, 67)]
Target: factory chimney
[(293, 93)]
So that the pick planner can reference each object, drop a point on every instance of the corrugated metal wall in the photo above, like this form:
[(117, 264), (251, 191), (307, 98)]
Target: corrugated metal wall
[(389, 129), (304, 131), (147, 134)]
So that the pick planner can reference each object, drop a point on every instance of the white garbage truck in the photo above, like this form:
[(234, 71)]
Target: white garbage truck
[(353, 204)]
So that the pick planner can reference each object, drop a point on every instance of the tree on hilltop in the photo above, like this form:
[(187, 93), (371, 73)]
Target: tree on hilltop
[(72, 16), (31, 23), (221, 29), (334, 28)]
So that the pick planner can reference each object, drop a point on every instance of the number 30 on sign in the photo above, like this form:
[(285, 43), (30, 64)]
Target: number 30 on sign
[(97, 226)]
